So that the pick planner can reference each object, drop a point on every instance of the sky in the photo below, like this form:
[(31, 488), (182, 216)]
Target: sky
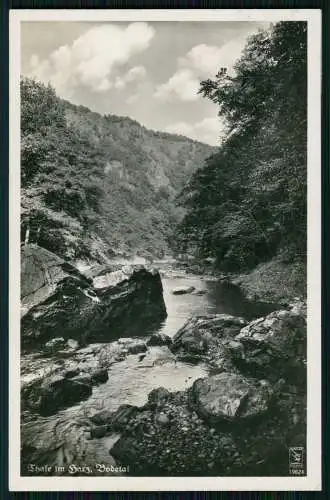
[(149, 71)]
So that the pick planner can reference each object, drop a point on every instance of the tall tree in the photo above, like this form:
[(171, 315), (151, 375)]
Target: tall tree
[(249, 201)]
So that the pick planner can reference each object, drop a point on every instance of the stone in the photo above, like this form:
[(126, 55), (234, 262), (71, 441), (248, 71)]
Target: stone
[(162, 419), (158, 339), (57, 297), (72, 372), (73, 344), (183, 290), (102, 417), (59, 392), (41, 271), (230, 397), (202, 337), (273, 346), (61, 442), (55, 343), (137, 347), (99, 376), (99, 431), (122, 416), (157, 397)]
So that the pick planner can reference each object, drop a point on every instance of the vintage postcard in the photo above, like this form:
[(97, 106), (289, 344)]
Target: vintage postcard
[(165, 262)]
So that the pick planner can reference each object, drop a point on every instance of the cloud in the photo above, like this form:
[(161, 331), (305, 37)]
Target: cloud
[(182, 85), (208, 130), (201, 62), (206, 60), (91, 59), (136, 73)]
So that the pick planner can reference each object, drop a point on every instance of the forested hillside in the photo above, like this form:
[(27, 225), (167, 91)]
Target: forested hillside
[(248, 205), (96, 186)]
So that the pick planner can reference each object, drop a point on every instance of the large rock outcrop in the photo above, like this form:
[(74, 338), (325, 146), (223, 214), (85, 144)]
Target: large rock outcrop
[(230, 397), (273, 346), (202, 338), (41, 271), (57, 300), (238, 422)]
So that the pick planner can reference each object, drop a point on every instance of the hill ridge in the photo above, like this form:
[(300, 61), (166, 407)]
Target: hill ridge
[(96, 186)]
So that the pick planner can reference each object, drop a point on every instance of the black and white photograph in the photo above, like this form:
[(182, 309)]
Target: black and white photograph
[(165, 220)]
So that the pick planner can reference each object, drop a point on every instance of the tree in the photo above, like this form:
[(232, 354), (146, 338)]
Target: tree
[(249, 200)]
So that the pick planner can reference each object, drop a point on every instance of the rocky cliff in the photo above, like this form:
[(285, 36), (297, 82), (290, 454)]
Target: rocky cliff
[(58, 301)]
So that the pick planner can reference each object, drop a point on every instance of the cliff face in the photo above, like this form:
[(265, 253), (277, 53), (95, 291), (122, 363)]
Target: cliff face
[(58, 300), (97, 186)]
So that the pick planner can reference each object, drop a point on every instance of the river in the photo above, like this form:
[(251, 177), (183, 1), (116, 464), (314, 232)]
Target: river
[(129, 380), (219, 298)]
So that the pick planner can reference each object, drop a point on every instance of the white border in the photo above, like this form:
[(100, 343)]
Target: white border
[(313, 480)]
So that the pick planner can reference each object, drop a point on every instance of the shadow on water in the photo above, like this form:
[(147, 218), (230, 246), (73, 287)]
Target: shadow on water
[(217, 298), (231, 300)]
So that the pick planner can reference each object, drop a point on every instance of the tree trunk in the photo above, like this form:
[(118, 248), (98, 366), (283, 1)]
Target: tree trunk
[(27, 235)]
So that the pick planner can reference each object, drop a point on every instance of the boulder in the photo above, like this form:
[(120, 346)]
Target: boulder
[(122, 416), (229, 397), (61, 442), (55, 344), (41, 271), (136, 347), (63, 300), (60, 392), (61, 388), (157, 397), (99, 376), (99, 431), (181, 290), (273, 346), (73, 344), (71, 372), (102, 417), (162, 419), (158, 339), (203, 337)]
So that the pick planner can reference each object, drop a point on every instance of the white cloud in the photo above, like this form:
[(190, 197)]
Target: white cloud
[(208, 130), (182, 85), (134, 74), (91, 58), (206, 60), (201, 62)]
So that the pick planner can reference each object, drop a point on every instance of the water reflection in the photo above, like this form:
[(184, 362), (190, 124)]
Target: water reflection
[(219, 298)]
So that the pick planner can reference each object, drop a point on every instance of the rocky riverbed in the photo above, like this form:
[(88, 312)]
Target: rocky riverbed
[(212, 393)]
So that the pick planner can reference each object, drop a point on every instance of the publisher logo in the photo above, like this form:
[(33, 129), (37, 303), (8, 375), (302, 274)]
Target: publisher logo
[(297, 460)]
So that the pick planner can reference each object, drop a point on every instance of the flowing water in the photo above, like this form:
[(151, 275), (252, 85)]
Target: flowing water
[(130, 381), (219, 298)]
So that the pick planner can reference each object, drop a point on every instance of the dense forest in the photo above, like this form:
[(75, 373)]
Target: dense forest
[(94, 187), (247, 205)]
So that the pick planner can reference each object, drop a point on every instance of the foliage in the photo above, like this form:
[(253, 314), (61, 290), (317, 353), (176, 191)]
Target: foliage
[(249, 200), (97, 185)]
